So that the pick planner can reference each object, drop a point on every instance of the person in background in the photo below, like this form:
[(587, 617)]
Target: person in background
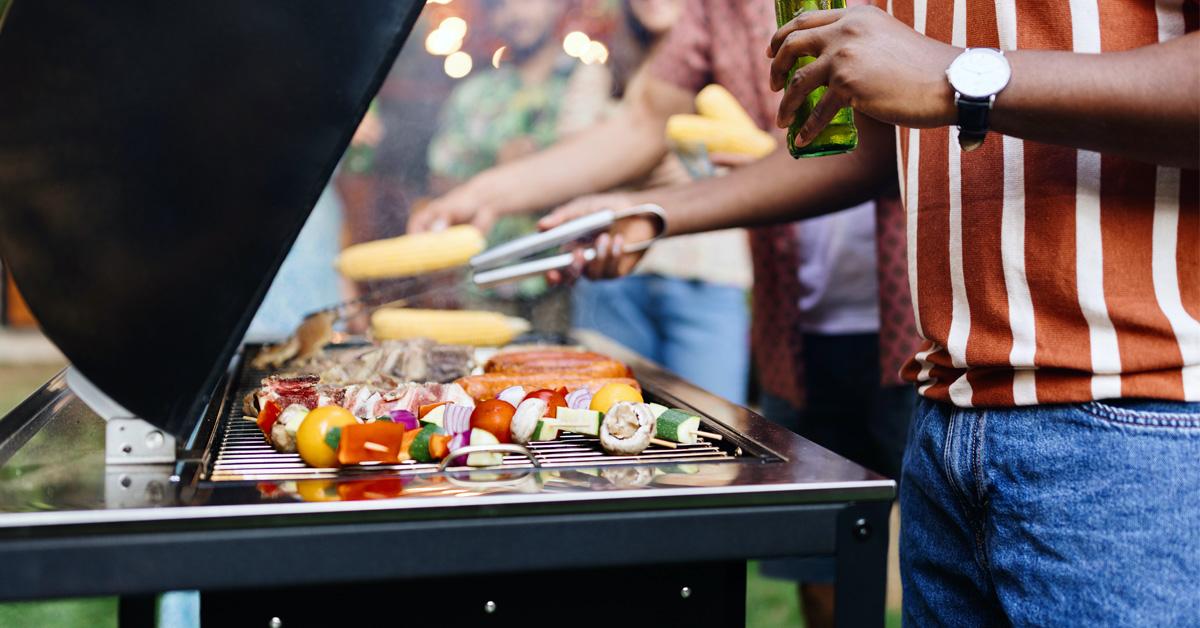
[(1051, 476), (815, 283), (688, 300), (499, 115)]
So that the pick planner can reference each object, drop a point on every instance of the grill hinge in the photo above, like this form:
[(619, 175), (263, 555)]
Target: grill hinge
[(127, 439)]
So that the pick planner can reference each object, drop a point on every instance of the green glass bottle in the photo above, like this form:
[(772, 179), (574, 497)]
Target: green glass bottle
[(840, 136)]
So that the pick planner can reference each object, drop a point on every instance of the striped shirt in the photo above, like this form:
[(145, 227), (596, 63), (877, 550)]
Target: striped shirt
[(1045, 274)]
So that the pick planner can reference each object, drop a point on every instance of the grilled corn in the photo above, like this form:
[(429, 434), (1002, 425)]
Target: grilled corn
[(717, 103), (461, 327), (719, 136), (411, 254)]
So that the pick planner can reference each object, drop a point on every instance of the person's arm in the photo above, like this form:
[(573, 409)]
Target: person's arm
[(627, 145), (1142, 103), (777, 189)]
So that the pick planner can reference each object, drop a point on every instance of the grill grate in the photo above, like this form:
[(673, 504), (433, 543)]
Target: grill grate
[(243, 455)]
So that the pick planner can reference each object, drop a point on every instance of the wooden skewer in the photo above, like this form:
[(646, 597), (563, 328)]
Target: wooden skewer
[(709, 435), (663, 443)]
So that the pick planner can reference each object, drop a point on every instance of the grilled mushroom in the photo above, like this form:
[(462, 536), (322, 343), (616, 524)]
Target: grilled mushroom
[(627, 428)]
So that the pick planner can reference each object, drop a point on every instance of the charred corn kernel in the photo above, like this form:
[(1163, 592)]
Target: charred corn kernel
[(411, 254), (719, 136), (717, 103), (458, 327)]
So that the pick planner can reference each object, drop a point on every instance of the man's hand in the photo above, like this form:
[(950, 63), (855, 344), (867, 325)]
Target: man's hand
[(611, 261), (462, 205), (870, 61)]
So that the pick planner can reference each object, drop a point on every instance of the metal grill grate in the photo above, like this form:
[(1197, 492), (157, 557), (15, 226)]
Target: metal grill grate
[(243, 455)]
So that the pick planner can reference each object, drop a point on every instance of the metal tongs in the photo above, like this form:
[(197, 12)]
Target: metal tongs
[(488, 269)]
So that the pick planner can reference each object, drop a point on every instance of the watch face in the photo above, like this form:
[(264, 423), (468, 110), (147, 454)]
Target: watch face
[(979, 73)]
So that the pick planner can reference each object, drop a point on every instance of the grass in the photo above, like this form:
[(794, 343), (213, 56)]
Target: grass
[(774, 603)]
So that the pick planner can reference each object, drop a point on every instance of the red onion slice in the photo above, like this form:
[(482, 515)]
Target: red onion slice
[(460, 440), (405, 418), (579, 399), (457, 419), (514, 395)]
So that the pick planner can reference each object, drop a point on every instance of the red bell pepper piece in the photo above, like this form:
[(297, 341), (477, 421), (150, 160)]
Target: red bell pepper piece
[(380, 441), (439, 446), (370, 489), (268, 416), (429, 407)]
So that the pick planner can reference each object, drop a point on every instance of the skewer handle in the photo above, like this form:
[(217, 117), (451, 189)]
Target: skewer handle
[(663, 443), (709, 435)]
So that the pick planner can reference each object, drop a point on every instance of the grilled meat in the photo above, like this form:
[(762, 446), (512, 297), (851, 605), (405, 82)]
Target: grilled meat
[(389, 363)]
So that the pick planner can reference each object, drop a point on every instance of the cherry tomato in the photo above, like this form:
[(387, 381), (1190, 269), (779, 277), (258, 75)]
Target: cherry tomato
[(554, 399), (494, 416)]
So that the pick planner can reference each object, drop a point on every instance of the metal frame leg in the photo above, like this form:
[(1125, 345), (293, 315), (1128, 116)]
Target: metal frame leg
[(862, 544), (137, 611)]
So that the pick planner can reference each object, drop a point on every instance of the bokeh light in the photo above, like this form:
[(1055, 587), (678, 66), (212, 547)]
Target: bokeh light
[(441, 42), (595, 52), (575, 43), (458, 65)]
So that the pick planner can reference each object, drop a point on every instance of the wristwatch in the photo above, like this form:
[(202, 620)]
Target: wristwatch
[(976, 75)]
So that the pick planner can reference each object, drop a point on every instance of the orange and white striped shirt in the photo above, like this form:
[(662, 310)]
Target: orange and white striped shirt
[(1045, 274)]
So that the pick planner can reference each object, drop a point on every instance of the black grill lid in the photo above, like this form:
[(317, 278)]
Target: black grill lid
[(157, 160)]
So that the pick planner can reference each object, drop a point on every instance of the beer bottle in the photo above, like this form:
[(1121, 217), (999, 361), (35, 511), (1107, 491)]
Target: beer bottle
[(840, 136)]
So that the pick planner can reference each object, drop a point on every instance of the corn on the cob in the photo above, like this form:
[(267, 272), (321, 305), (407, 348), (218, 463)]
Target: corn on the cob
[(719, 136), (717, 103), (411, 254), (460, 327)]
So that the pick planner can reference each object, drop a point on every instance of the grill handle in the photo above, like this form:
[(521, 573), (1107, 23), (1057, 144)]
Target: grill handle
[(488, 449)]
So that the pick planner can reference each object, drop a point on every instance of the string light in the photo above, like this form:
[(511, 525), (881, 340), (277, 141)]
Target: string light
[(458, 65), (575, 43), (498, 56), (595, 52)]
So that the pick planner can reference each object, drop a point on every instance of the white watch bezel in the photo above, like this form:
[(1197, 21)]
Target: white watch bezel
[(979, 73)]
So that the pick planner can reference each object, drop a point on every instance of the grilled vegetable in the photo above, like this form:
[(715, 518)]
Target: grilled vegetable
[(554, 399), (612, 393), (547, 429), (627, 429), (484, 459), (719, 136), (412, 254), (311, 437), (525, 420), (585, 422), (463, 327), (677, 426), (267, 417), (716, 103), (436, 416), (431, 440), (429, 407), (494, 416), (371, 442)]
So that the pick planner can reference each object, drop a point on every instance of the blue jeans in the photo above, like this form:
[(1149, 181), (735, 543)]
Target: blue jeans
[(1082, 514), (699, 330)]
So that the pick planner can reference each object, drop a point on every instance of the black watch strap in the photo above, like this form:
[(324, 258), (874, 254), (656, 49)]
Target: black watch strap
[(972, 121)]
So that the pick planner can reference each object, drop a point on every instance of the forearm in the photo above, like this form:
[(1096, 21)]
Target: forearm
[(617, 150), (1143, 103), (780, 189)]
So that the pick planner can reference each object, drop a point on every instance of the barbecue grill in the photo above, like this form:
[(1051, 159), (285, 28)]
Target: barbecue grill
[(144, 250)]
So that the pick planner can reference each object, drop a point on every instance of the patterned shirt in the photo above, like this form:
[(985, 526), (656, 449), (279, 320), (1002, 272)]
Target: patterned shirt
[(1046, 274), (724, 41), (495, 107)]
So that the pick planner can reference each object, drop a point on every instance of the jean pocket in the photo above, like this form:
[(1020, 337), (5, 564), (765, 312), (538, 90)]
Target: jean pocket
[(1148, 413)]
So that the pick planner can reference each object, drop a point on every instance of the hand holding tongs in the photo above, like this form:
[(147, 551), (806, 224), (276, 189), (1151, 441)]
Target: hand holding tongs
[(489, 268)]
